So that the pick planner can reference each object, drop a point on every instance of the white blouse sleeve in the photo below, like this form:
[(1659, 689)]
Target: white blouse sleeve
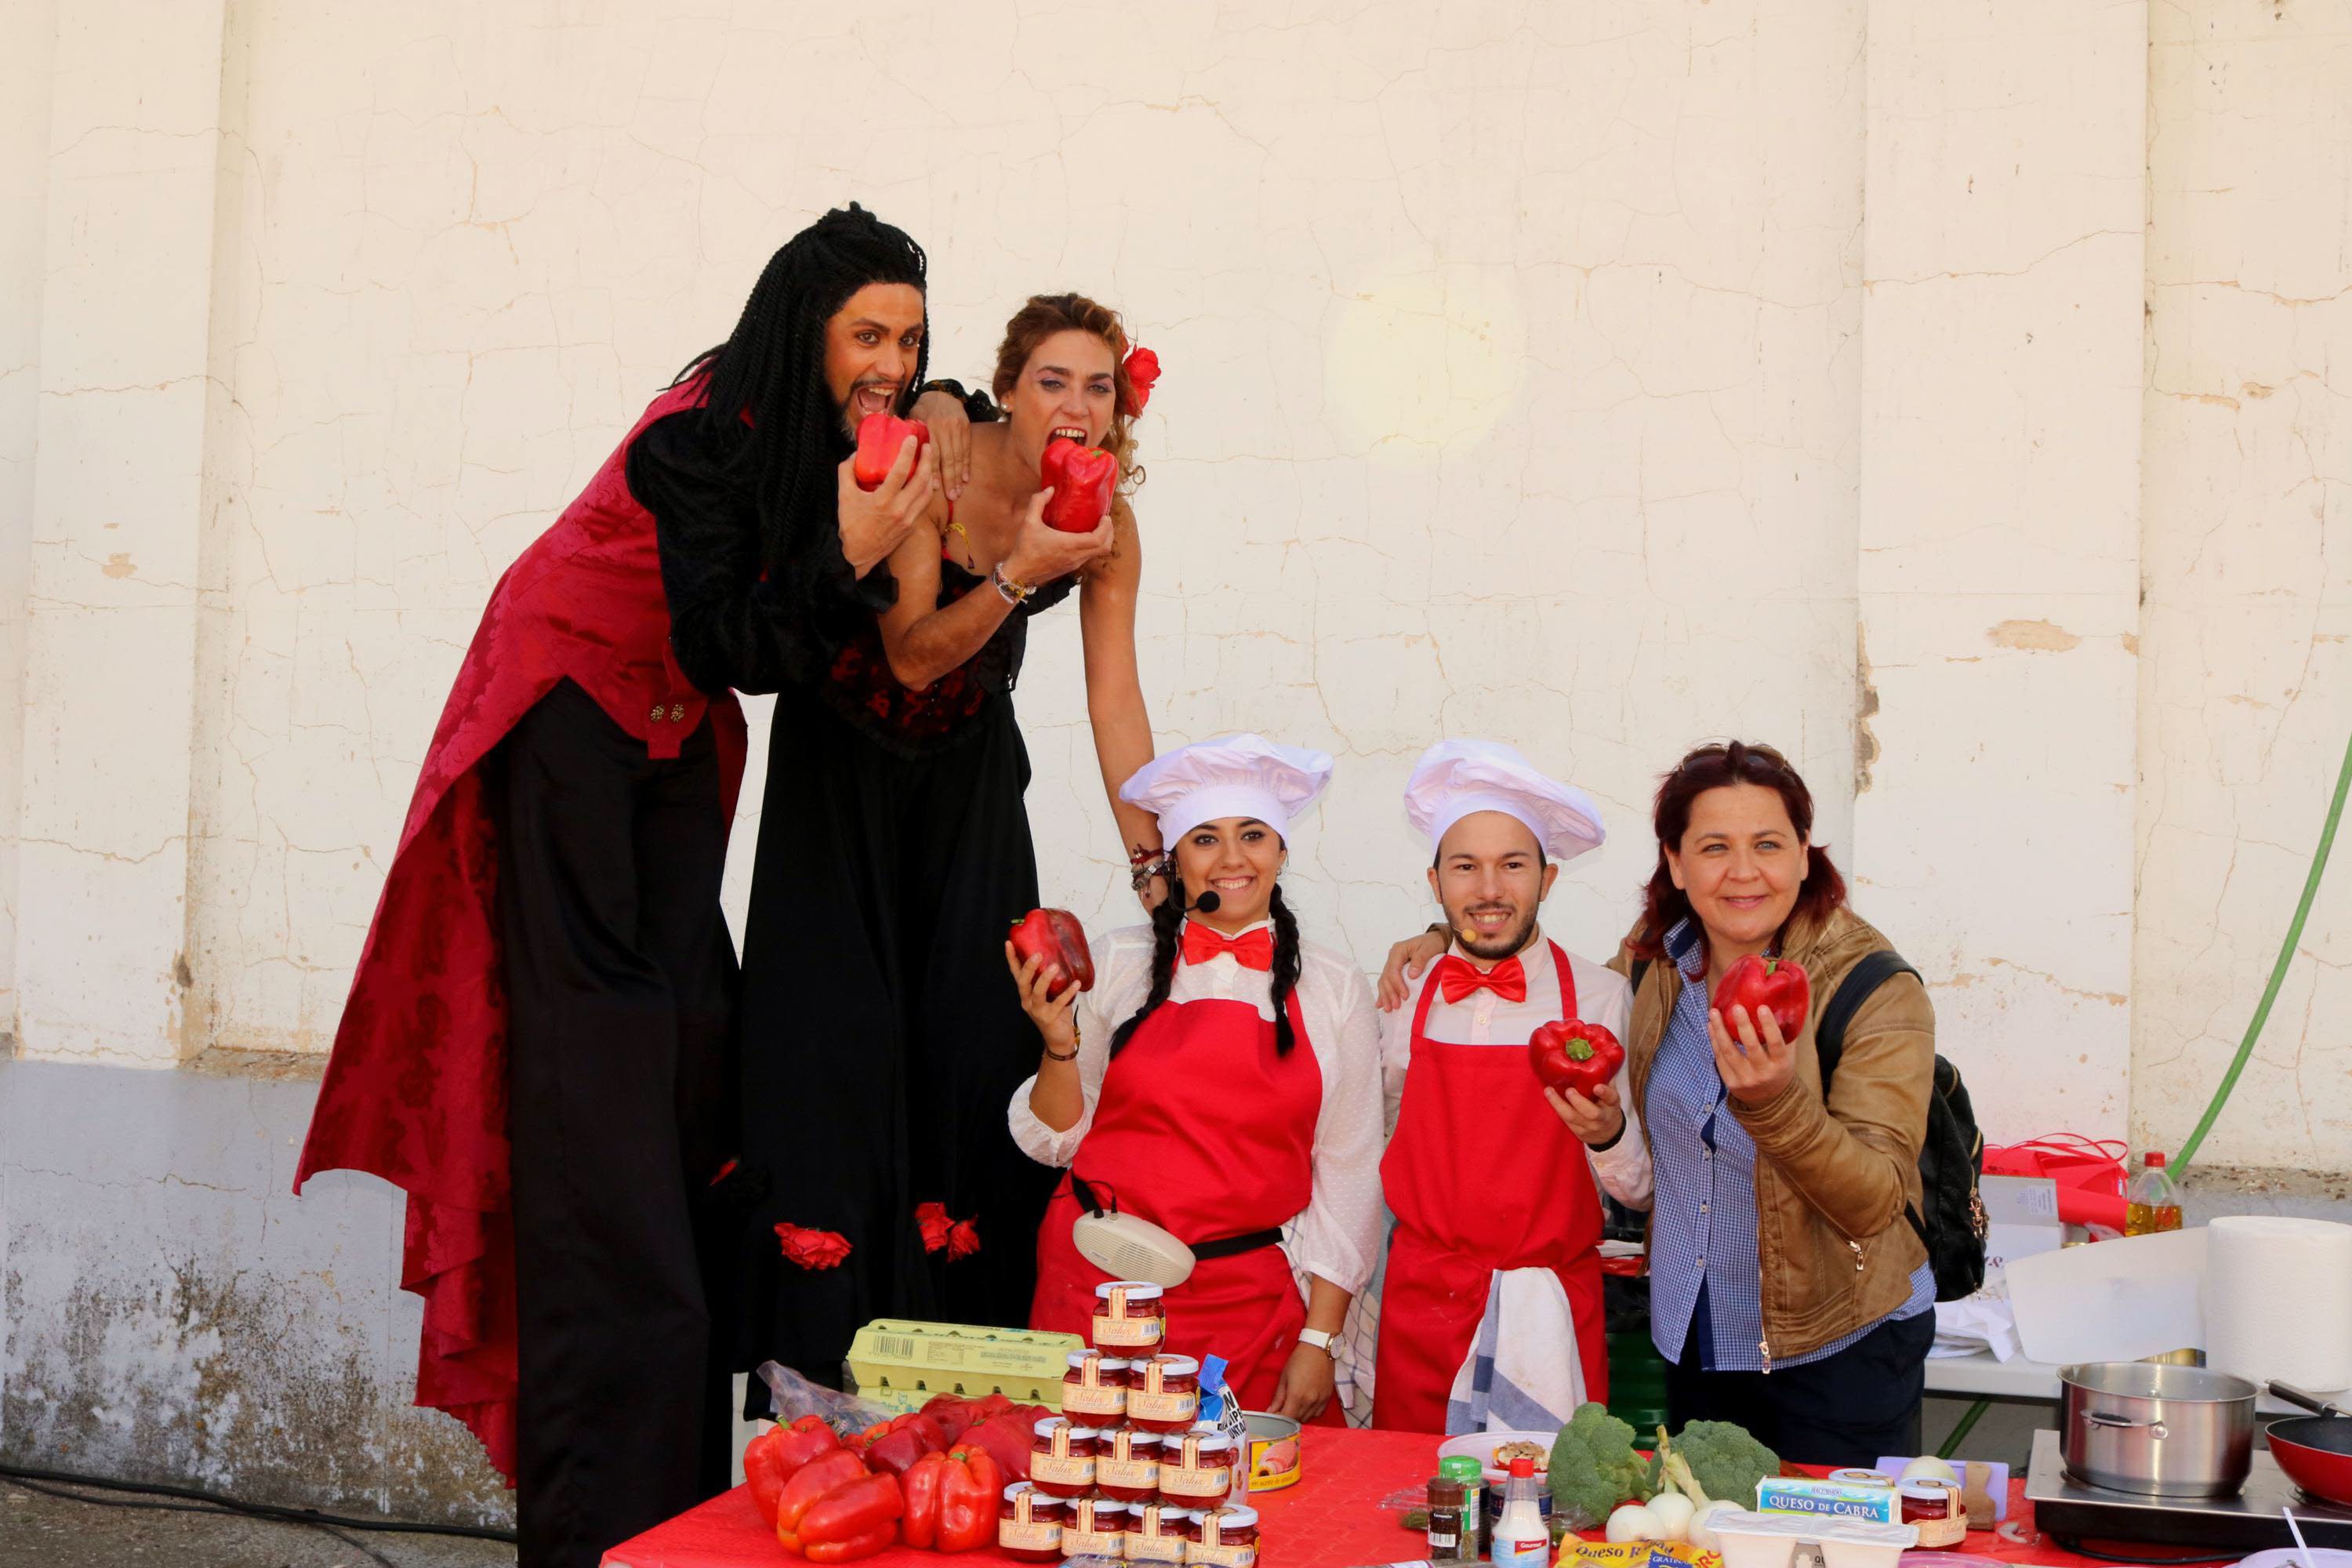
[(1338, 1236), (1396, 1057), (1623, 1168), (1123, 978)]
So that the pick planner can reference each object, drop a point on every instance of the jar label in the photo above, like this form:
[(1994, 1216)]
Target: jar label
[(1059, 1471), (1127, 1332), (1146, 1406), (1142, 1548), (1093, 1399), (1209, 1483), (1222, 1556), (1076, 1542), (1030, 1535), (1135, 1475)]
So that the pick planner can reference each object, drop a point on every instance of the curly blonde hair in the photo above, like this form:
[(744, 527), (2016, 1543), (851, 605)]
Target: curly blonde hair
[(1041, 318)]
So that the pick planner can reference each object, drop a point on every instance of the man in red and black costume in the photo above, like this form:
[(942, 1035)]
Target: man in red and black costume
[(538, 1045)]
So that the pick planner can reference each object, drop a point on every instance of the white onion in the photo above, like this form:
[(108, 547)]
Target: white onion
[(1927, 1468), (1674, 1511), (1632, 1521), (1701, 1533)]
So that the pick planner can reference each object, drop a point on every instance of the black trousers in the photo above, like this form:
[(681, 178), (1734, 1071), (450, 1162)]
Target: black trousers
[(620, 985), (1845, 1410)]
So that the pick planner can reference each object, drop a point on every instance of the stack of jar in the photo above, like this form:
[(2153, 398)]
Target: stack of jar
[(1128, 1470)]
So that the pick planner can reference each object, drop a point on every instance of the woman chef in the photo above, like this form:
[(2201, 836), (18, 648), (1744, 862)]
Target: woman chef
[(1490, 1314), (1222, 1080)]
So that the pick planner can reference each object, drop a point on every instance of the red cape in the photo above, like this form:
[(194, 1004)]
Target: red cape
[(416, 1090)]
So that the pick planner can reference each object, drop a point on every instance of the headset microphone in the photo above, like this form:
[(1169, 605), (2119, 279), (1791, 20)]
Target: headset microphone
[(1206, 904)]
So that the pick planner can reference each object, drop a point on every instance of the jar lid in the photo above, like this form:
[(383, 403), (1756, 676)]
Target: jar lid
[(1106, 1508), (1210, 1442), (1042, 1499), (1237, 1517), (1137, 1437), (1929, 1491), (1045, 1428), (1109, 1362), (1461, 1467), (1170, 1366), (1137, 1290)]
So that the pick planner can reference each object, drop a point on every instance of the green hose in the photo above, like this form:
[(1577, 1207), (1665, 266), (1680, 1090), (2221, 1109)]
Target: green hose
[(2278, 970)]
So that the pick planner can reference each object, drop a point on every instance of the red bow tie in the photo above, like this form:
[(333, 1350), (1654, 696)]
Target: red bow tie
[(1458, 977), (1251, 950)]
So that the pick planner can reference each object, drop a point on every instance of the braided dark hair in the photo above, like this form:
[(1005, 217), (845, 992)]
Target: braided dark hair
[(772, 366), (1168, 921)]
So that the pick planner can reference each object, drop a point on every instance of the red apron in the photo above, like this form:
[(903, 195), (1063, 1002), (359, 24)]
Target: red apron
[(1482, 1176), (1200, 1129)]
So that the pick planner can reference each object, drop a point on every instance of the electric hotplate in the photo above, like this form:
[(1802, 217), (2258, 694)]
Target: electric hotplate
[(2112, 1522)]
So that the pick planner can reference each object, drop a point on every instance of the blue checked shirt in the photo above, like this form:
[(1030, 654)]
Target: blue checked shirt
[(1703, 1237)]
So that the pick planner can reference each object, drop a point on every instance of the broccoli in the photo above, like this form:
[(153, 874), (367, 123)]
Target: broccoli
[(1594, 1466), (1714, 1459)]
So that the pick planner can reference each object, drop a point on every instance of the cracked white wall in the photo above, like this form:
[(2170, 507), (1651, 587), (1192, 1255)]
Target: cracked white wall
[(2246, 691), (1605, 378)]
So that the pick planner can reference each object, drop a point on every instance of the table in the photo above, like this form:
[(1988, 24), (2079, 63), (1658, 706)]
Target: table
[(1982, 1377), (1331, 1519)]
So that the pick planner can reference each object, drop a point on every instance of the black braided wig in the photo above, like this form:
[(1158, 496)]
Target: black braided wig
[(773, 364)]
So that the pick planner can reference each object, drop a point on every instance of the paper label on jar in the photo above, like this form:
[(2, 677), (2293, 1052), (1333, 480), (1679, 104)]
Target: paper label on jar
[(1144, 1405), (1210, 1483), (1141, 1548), (1134, 1475), (1222, 1556), (1093, 1399), (1061, 1472), (1029, 1535), (1076, 1542), (1127, 1332)]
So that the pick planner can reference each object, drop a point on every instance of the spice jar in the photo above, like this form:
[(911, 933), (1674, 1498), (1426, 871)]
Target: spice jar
[(1470, 1476), (1446, 1517), (1029, 1524), (1062, 1458), (1935, 1507), (1197, 1468), (1163, 1392), (1096, 1528), (1095, 1386), (1127, 1467), (1228, 1538), (1129, 1315), (1161, 1534)]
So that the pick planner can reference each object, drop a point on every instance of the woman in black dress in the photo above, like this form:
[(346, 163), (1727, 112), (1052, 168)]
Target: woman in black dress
[(881, 1044)]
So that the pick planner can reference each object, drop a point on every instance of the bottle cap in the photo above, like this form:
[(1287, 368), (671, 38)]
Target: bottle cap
[(1523, 1467), (2153, 1159), (1459, 1468)]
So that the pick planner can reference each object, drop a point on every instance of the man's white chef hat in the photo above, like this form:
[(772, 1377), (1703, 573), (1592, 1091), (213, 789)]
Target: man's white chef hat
[(1456, 779), (1235, 775)]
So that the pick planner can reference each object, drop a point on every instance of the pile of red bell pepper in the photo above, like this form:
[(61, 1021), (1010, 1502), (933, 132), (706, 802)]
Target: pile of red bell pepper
[(930, 1479)]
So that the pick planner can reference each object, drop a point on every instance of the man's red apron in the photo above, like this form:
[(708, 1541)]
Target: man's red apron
[(1203, 1130), (1482, 1177)]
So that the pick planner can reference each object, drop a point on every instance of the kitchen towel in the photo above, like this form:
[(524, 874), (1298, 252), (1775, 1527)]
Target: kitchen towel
[(2278, 1300)]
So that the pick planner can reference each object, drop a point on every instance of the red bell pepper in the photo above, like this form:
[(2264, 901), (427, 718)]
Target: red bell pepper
[(1082, 479), (1572, 1054), (969, 1492), (903, 1440), (813, 1485), (920, 1488), (1056, 936), (1007, 1436), (1758, 984), (879, 437), (855, 1517), (775, 1456)]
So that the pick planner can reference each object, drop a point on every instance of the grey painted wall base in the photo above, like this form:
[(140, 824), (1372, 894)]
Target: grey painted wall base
[(169, 1311)]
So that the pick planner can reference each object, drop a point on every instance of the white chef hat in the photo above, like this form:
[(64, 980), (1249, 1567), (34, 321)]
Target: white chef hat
[(1235, 775), (1456, 779)]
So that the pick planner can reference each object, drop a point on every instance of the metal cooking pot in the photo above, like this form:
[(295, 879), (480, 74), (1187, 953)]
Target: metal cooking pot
[(2163, 1431)]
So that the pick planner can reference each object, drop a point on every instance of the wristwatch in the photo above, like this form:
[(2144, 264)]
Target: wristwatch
[(1328, 1343)]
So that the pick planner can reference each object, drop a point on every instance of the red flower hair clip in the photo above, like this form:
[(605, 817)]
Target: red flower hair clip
[(964, 1240), (933, 1220), (813, 1248), (1142, 374)]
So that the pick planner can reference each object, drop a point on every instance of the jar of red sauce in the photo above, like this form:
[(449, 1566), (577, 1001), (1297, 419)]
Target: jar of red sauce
[(1127, 1467), (1129, 1315), (1095, 1527), (1227, 1538), (1163, 1392), (1029, 1524), (1161, 1534), (1096, 1388), (1062, 1457), (1196, 1469), (1935, 1507)]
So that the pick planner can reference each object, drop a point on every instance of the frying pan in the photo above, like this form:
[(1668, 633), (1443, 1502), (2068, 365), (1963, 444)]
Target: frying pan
[(2316, 1451)]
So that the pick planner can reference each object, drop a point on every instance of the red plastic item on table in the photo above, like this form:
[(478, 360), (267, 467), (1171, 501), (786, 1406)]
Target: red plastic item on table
[(1029, 1524), (1082, 479), (1056, 936), (879, 437), (1756, 983), (1569, 1053)]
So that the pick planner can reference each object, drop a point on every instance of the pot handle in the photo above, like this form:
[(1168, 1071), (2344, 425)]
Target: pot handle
[(2310, 1401), (2123, 1423)]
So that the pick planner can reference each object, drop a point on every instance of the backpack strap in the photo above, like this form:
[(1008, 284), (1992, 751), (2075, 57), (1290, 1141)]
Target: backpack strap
[(1865, 978), (1640, 967)]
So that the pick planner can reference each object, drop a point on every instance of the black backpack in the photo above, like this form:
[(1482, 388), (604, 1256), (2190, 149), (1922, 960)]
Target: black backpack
[(1952, 1158)]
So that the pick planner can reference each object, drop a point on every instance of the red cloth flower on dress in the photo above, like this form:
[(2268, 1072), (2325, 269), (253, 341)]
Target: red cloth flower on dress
[(963, 1240), (813, 1248), (933, 1220), (1142, 374)]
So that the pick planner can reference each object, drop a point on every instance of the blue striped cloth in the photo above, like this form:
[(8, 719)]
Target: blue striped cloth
[(1702, 1256)]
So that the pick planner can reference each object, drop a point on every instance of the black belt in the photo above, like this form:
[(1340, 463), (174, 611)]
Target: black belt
[(1223, 1247)]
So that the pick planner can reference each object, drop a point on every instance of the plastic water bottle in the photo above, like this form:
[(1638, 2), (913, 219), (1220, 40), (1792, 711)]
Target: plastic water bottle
[(2151, 1203), (1522, 1539)]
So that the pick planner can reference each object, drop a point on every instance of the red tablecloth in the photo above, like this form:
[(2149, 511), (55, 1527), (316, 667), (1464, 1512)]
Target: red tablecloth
[(1331, 1519)]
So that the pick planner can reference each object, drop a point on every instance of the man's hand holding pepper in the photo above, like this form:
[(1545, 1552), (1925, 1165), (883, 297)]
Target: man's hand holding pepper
[(1598, 1122), (874, 522), (951, 434)]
